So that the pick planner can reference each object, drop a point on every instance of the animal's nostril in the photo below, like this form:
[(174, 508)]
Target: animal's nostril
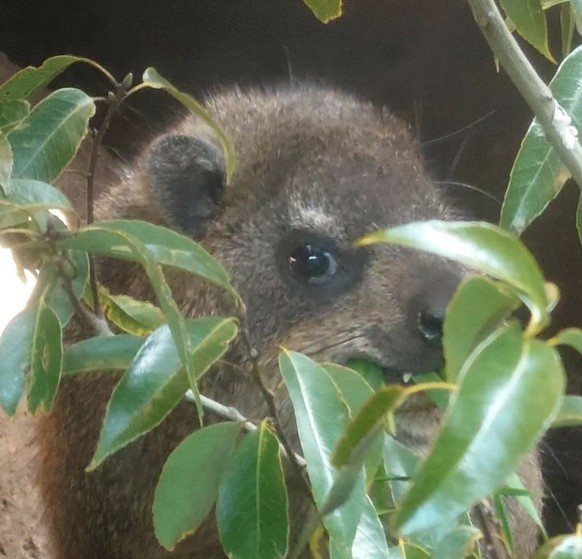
[(430, 325)]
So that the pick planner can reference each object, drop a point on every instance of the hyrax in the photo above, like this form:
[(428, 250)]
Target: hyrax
[(316, 171)]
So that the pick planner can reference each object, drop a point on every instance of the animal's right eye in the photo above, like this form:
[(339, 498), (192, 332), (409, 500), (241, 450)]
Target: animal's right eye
[(312, 263)]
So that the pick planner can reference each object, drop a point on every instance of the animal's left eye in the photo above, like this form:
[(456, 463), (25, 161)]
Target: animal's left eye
[(311, 263)]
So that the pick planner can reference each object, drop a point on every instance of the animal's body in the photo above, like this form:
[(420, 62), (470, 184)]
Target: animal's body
[(316, 171)]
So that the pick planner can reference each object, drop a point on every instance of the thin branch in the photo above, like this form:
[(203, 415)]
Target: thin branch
[(298, 466), (494, 545), (556, 124), (232, 414), (114, 100)]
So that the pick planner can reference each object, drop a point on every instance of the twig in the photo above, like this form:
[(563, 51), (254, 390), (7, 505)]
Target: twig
[(552, 117), (494, 546), (232, 414), (114, 100), (99, 325), (269, 397)]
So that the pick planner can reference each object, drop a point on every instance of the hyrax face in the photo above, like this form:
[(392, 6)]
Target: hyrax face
[(316, 171)]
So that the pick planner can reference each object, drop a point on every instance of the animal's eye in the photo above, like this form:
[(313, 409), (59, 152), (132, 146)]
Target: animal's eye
[(312, 264)]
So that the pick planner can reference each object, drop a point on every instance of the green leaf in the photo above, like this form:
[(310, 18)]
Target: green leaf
[(369, 422), (45, 364), (12, 215), (480, 246), (530, 22), (400, 465), (370, 540), (488, 428), (570, 413), (571, 337), (188, 485), (325, 10), (30, 192), (477, 309), (155, 382), (576, 6), (538, 174), (103, 353), (29, 81), (321, 417), (567, 26), (50, 136), (15, 356), (5, 163), (135, 317), (457, 544), (251, 511), (562, 547), (12, 113), (371, 372), (116, 242), (153, 79), (166, 247)]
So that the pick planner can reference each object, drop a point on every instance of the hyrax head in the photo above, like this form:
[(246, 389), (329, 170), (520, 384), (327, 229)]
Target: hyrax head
[(315, 172)]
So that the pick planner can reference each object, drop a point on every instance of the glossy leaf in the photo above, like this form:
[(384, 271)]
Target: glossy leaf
[(50, 136), (103, 353), (251, 511), (139, 318), (325, 10), (400, 465), (457, 544), (370, 372), (570, 413), (368, 423), (488, 429), (156, 382), (370, 540), (30, 192), (480, 246), (530, 22), (321, 417), (577, 13), (45, 363), (153, 79), (188, 485), (12, 113), (538, 174), (477, 308), (166, 247), (562, 547), (571, 337), (29, 81), (15, 356), (5, 164)]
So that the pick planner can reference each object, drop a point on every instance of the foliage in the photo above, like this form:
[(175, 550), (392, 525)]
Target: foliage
[(375, 497)]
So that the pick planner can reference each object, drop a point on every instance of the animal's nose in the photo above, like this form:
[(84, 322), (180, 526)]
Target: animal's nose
[(430, 324)]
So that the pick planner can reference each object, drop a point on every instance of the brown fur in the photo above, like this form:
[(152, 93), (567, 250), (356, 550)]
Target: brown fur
[(307, 160)]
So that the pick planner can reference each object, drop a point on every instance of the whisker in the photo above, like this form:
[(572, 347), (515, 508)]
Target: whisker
[(459, 130), (472, 188)]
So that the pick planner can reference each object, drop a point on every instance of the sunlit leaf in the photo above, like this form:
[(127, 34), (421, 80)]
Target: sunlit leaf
[(325, 10), (251, 511), (155, 382), (562, 547), (153, 79), (321, 417), (480, 246), (538, 173), (488, 429), (12, 113), (188, 485), (478, 307), (132, 316), (50, 136), (45, 363), (570, 413), (370, 540), (103, 353), (530, 22)]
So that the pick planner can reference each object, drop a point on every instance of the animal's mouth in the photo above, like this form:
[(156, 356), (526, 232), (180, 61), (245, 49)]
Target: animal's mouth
[(378, 374)]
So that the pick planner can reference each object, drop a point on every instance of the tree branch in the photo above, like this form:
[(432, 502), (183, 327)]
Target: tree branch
[(554, 120)]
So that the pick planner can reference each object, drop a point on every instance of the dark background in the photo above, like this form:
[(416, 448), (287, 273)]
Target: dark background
[(425, 59)]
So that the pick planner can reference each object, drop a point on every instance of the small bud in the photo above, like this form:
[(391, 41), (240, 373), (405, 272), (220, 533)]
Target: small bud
[(111, 96), (127, 82)]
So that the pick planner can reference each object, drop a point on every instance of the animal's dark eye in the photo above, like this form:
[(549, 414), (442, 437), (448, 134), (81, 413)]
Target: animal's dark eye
[(312, 264)]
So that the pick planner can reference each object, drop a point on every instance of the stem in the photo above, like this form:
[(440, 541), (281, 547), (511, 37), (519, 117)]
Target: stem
[(559, 133), (114, 100), (494, 546)]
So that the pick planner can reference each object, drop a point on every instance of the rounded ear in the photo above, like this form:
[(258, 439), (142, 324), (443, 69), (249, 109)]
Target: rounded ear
[(187, 179)]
